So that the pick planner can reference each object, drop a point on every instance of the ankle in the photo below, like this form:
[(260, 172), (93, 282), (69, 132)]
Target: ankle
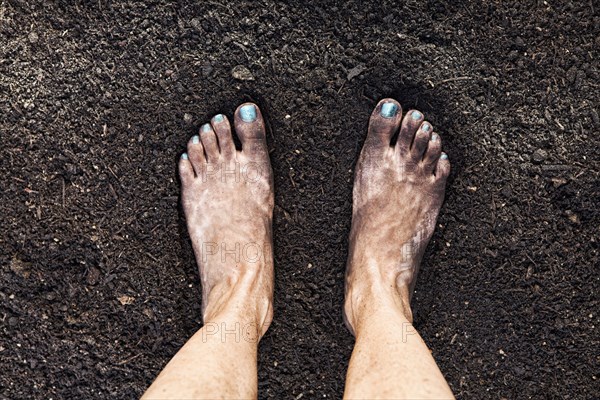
[(373, 299), (377, 313), (243, 299), (237, 325)]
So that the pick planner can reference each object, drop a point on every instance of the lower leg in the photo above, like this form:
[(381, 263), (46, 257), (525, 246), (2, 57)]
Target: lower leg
[(390, 360), (219, 361), (398, 191)]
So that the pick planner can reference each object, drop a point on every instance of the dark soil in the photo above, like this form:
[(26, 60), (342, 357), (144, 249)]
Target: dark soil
[(98, 98)]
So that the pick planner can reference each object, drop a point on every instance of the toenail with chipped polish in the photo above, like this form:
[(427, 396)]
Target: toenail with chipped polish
[(426, 127), (184, 156), (434, 137), (195, 139), (248, 113), (416, 115), (388, 110), (206, 128), (444, 156), (219, 118)]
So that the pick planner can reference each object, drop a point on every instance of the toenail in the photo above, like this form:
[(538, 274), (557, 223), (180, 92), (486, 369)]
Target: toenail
[(388, 110), (248, 113), (426, 127), (444, 156), (184, 156), (219, 118), (206, 128), (434, 137), (416, 115), (195, 139)]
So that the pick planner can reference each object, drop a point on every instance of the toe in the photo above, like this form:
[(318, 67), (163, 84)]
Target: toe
[(250, 128), (434, 149), (186, 171), (209, 143), (410, 124), (195, 153), (443, 168), (220, 125), (384, 122), (419, 145)]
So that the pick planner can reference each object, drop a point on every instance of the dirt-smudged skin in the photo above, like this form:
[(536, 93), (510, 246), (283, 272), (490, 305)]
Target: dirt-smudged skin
[(398, 191), (227, 198)]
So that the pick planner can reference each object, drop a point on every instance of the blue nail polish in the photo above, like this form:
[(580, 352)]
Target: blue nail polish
[(184, 156), (389, 110), (219, 118), (425, 127), (416, 115), (248, 113), (206, 128), (434, 137), (444, 156), (195, 139)]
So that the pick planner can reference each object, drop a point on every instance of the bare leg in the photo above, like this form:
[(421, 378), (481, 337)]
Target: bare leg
[(398, 192), (227, 198)]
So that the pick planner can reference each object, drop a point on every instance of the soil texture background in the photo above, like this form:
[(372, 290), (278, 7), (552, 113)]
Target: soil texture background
[(98, 284)]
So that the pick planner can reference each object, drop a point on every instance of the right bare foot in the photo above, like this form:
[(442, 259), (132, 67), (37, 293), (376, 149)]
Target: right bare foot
[(227, 198), (398, 192)]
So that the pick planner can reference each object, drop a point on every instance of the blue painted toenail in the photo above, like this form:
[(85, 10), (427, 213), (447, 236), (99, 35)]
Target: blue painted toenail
[(248, 113), (184, 156), (195, 139), (389, 110), (426, 127), (444, 156), (416, 115), (434, 137), (219, 118), (206, 128)]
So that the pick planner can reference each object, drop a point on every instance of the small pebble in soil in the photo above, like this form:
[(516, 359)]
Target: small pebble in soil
[(356, 71), (539, 156), (125, 300), (558, 182), (33, 37), (574, 218), (242, 73)]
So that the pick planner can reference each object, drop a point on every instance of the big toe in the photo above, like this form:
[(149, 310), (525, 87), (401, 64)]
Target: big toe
[(250, 128), (384, 122)]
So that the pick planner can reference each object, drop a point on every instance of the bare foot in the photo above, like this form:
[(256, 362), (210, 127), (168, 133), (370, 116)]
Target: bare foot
[(227, 198), (398, 192)]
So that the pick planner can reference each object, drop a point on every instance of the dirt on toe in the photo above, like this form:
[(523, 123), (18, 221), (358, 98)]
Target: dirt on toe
[(99, 286)]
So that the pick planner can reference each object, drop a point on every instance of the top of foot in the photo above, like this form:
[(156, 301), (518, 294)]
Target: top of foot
[(398, 191)]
